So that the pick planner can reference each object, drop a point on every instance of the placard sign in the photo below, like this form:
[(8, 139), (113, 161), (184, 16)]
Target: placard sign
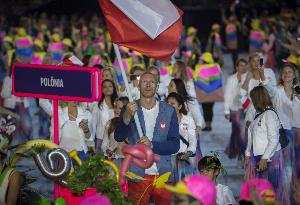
[(68, 83), (56, 82)]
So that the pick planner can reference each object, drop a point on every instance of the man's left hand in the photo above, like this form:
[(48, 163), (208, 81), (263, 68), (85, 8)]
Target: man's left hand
[(145, 140)]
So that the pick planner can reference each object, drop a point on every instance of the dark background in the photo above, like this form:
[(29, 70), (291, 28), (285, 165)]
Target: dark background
[(199, 13)]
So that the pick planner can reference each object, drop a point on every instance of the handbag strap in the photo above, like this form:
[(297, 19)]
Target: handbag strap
[(257, 115), (184, 141)]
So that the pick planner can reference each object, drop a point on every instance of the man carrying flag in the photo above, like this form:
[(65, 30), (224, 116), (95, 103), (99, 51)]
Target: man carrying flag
[(152, 28)]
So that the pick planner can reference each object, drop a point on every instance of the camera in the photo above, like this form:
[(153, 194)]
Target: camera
[(261, 61), (134, 77)]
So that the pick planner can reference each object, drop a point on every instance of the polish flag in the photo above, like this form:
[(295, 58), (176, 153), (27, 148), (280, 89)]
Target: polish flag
[(151, 27)]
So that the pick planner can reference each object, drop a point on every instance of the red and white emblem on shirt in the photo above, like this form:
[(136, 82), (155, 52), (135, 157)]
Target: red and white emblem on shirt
[(162, 125), (184, 126)]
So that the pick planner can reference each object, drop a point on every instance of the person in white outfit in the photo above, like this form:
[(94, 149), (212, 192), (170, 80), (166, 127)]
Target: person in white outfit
[(256, 75), (179, 72), (264, 147), (286, 101), (104, 111), (186, 155), (233, 110), (210, 166), (163, 84), (75, 126)]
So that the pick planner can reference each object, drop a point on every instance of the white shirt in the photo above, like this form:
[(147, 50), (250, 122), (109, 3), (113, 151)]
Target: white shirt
[(150, 121), (104, 114), (71, 136), (264, 135), (269, 78), (283, 105), (187, 131), (232, 93), (224, 195)]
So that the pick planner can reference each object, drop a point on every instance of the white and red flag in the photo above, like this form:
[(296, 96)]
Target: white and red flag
[(151, 27)]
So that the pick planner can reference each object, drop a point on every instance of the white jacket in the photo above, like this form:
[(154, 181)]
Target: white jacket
[(232, 94), (187, 131), (283, 105), (193, 106), (263, 135)]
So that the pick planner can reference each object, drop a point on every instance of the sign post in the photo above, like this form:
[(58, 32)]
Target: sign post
[(68, 83)]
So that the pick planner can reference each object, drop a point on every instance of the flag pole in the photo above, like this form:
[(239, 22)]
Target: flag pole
[(136, 119)]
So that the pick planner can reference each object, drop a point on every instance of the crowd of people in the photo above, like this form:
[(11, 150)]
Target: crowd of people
[(174, 104)]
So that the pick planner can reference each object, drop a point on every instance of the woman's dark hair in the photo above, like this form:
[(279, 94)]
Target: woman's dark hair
[(260, 98), (86, 60), (114, 121), (180, 87), (180, 101), (209, 162), (101, 67), (136, 68), (182, 67), (124, 100), (114, 95)]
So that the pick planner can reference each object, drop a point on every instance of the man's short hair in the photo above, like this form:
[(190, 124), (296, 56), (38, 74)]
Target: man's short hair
[(209, 162), (148, 73), (253, 55), (241, 60), (136, 68)]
